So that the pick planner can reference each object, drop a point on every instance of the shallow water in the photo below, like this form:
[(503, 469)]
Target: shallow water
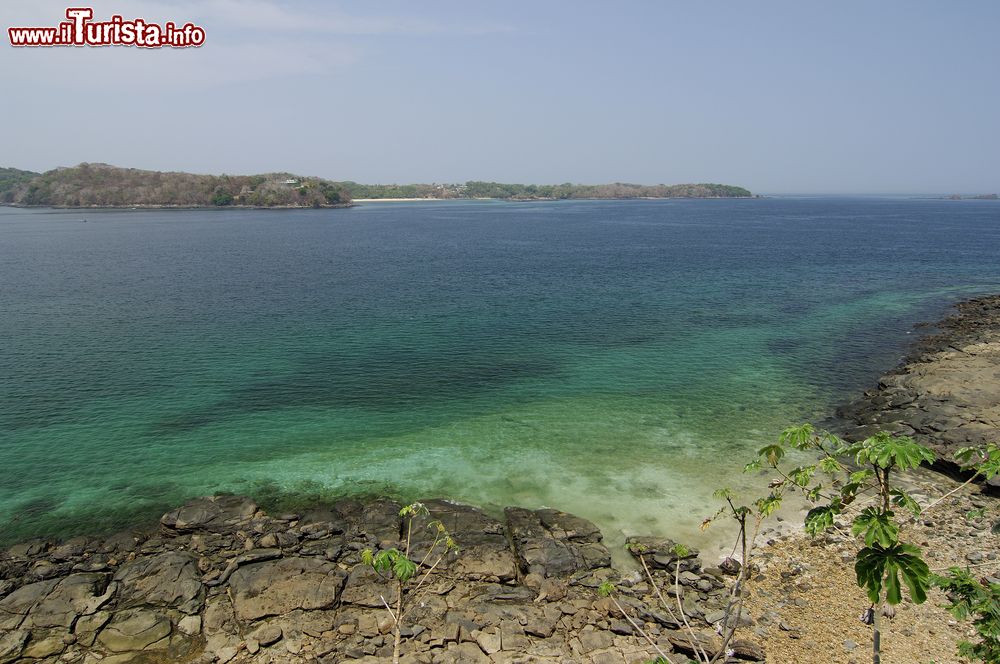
[(620, 360)]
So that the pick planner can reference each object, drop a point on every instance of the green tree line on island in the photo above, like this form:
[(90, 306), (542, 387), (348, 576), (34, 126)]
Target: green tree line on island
[(480, 189), (101, 185)]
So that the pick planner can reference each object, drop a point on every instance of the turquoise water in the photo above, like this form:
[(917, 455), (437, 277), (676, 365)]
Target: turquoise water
[(619, 360)]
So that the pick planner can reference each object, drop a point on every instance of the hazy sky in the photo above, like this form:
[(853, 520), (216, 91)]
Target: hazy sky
[(796, 96)]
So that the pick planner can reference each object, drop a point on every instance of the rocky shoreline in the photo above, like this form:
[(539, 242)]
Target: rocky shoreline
[(946, 393), (222, 581)]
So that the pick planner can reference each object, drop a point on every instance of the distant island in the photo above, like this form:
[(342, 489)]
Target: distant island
[(100, 185), (104, 186), (535, 192), (980, 197)]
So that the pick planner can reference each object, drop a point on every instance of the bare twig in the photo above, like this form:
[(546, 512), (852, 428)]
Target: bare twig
[(635, 625)]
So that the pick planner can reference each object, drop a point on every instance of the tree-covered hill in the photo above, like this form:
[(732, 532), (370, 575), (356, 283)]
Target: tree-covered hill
[(10, 180), (478, 189), (100, 185)]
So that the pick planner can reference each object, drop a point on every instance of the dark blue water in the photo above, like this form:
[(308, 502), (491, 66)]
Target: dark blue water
[(617, 359)]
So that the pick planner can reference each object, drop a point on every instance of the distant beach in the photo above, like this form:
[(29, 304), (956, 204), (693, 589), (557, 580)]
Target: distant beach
[(400, 200)]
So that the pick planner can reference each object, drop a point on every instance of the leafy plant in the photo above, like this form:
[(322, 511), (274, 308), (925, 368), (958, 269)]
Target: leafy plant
[(857, 479), (981, 600), (396, 566)]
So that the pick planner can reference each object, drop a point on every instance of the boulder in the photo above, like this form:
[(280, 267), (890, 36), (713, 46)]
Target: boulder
[(553, 543), (15, 606), (278, 587), (378, 518), (214, 514), (75, 595), (169, 580), (485, 551)]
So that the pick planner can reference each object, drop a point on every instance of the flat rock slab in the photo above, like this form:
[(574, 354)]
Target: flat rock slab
[(379, 519), (75, 595), (553, 543), (12, 642), (15, 607), (485, 550), (135, 629), (215, 514), (169, 580), (278, 587)]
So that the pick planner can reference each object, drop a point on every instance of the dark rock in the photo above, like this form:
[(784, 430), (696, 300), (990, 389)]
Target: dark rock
[(379, 519), (27, 550), (12, 643), (69, 550), (169, 580), (553, 543), (747, 650), (215, 514), (730, 566), (945, 394), (75, 595), (279, 587), (658, 554), (485, 551), (14, 607)]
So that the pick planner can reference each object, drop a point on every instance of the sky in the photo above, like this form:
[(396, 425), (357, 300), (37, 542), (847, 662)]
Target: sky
[(895, 96)]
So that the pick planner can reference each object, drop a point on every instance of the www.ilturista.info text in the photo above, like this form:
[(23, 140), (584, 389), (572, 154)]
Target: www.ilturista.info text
[(80, 30)]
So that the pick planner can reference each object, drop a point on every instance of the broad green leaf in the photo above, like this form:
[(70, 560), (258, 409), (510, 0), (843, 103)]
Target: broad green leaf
[(877, 527), (767, 506), (965, 454), (990, 467), (880, 567), (802, 475), (902, 499), (860, 476), (887, 451), (415, 509), (723, 493), (818, 519), (800, 437), (367, 557), (404, 568), (829, 465), (385, 559), (832, 441)]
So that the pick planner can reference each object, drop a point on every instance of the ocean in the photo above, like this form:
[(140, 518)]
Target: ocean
[(616, 359)]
